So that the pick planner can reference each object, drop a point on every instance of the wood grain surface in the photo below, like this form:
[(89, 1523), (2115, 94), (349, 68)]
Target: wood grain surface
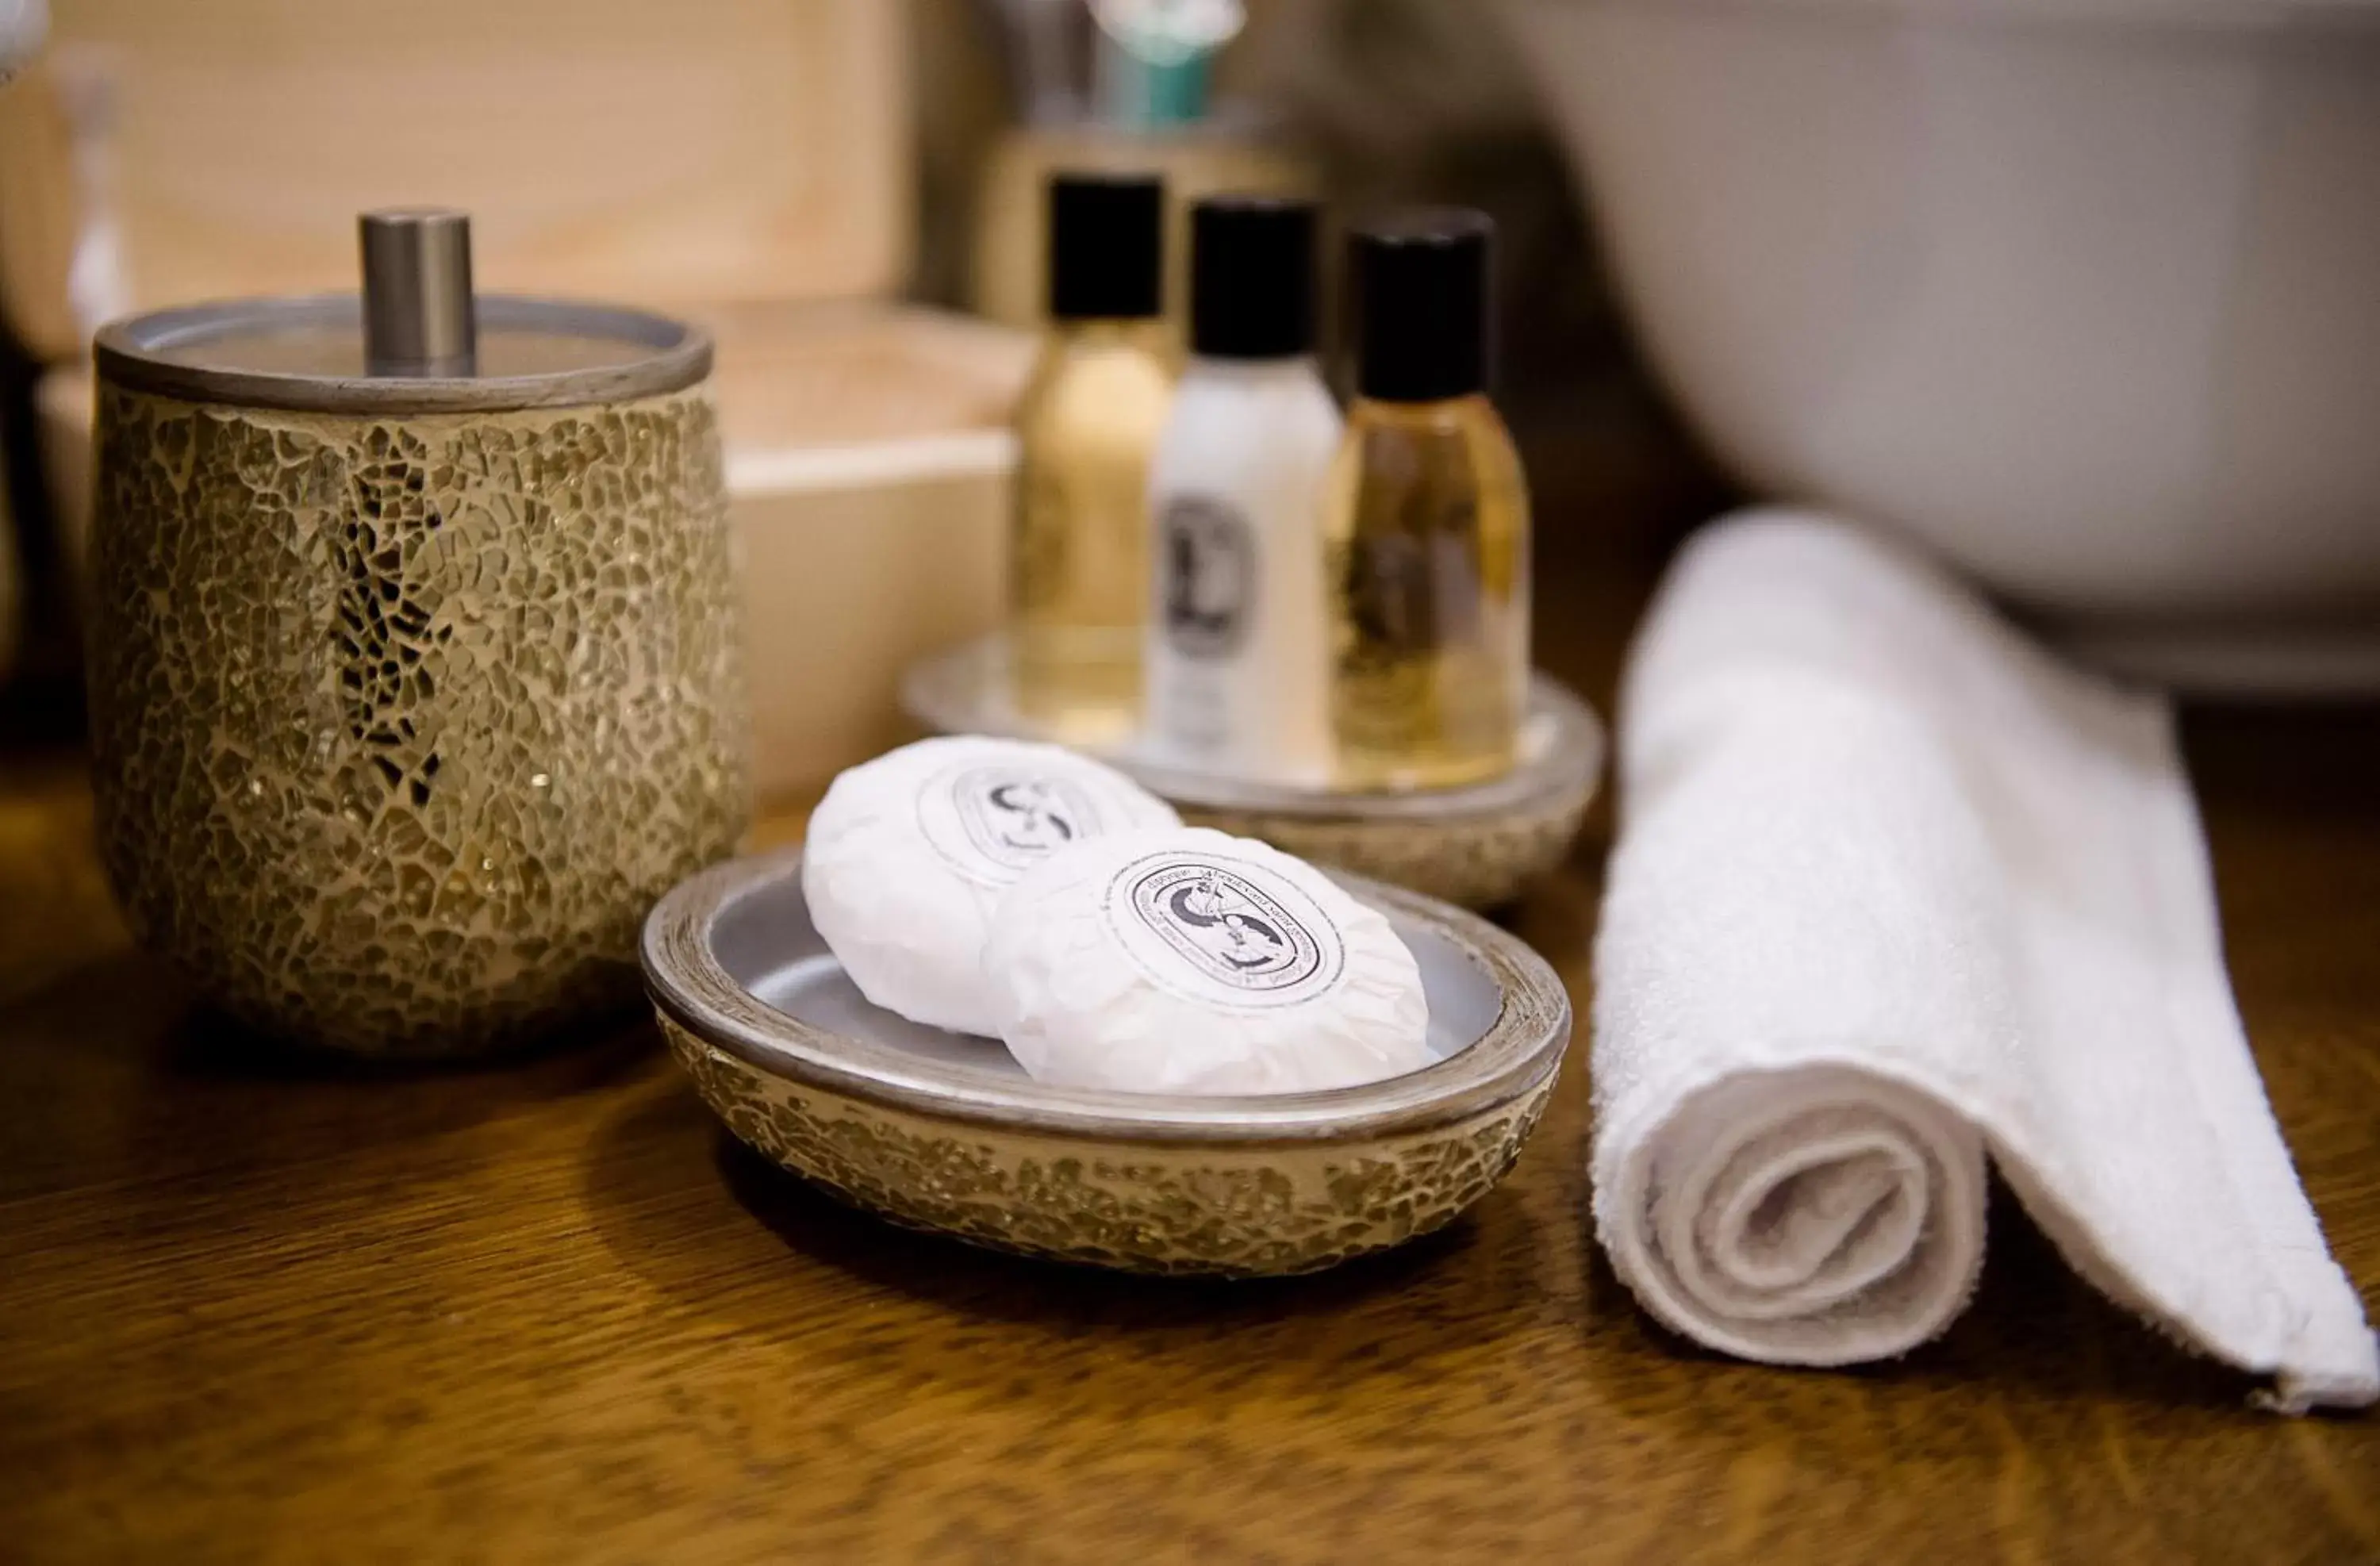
[(260, 1309)]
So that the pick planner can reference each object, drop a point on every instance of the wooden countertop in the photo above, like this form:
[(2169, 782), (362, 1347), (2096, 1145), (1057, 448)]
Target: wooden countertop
[(257, 1310)]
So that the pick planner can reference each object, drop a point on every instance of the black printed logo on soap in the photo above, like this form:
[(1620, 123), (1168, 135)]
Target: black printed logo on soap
[(1210, 576), (1016, 818), (1226, 926)]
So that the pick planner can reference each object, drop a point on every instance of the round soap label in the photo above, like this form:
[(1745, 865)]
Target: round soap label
[(1224, 930), (991, 825)]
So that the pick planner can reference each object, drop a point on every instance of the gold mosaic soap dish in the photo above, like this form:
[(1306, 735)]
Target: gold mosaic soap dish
[(944, 1132), (1479, 846)]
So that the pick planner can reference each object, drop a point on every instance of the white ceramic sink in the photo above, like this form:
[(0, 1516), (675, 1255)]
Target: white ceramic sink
[(2084, 293)]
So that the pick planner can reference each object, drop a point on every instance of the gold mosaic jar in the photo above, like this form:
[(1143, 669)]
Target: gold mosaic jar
[(413, 663)]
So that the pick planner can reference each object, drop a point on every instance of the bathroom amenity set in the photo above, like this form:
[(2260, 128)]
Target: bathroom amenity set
[(1895, 893)]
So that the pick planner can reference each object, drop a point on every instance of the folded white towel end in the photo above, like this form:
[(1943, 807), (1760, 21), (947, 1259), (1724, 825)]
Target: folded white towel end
[(1894, 889)]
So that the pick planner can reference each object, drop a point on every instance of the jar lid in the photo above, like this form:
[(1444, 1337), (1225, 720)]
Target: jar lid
[(415, 341), (308, 354)]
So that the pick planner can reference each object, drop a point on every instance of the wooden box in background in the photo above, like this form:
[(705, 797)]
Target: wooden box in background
[(745, 162)]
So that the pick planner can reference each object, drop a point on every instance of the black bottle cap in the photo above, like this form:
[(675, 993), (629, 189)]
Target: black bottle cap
[(1107, 246), (1421, 287), (1250, 277)]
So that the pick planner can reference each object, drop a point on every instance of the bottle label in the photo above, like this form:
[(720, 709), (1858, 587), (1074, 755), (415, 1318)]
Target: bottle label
[(991, 825), (1415, 591), (1210, 576), (1223, 930)]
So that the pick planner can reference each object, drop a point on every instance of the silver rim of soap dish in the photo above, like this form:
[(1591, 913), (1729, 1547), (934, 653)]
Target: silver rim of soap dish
[(693, 988)]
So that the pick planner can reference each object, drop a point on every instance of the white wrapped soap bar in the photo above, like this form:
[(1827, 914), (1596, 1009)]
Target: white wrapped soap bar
[(1190, 961), (908, 854)]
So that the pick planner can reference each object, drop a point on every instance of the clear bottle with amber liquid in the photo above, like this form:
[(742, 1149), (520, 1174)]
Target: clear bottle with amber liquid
[(1426, 523), (1086, 428)]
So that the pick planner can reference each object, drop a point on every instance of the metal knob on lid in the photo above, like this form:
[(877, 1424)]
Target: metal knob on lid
[(419, 317)]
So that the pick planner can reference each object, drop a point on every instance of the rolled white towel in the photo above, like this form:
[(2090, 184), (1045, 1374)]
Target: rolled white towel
[(1895, 889)]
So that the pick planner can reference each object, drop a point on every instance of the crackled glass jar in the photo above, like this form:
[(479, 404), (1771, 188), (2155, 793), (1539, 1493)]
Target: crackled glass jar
[(413, 661)]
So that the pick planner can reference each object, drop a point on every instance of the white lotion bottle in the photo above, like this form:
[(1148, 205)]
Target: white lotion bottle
[(1238, 646)]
